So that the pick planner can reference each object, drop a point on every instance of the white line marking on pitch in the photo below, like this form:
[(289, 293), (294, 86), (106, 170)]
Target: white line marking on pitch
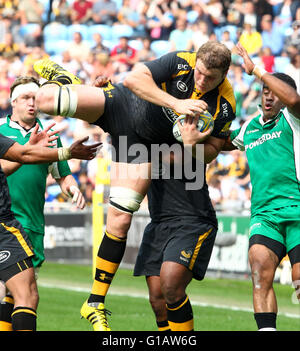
[(145, 296)]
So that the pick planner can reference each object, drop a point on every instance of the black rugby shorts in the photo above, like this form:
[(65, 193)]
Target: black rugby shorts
[(186, 241), (14, 246)]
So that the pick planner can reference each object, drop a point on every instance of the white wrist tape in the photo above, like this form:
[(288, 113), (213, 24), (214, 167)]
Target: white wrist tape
[(259, 71), (64, 153)]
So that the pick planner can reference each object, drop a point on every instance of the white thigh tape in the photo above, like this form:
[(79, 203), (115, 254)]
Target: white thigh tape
[(125, 199)]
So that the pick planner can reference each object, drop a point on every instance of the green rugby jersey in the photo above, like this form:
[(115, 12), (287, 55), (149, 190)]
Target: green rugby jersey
[(273, 153), (28, 184)]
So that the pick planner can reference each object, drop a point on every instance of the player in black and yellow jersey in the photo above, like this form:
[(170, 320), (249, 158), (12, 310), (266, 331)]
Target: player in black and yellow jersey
[(143, 109)]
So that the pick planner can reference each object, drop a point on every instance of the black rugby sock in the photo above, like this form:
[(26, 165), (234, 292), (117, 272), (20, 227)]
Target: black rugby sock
[(110, 254), (180, 315)]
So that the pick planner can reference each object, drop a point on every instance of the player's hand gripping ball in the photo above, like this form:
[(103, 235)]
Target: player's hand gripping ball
[(205, 122)]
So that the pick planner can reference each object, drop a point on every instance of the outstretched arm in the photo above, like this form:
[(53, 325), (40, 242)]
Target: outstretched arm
[(282, 90), (38, 154)]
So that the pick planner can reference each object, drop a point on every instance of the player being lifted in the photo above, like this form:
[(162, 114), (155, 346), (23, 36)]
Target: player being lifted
[(143, 109)]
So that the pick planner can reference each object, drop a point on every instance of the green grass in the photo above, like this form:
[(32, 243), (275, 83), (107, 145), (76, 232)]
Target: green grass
[(59, 305)]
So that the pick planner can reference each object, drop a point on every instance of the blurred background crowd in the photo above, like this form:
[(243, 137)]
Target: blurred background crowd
[(108, 37)]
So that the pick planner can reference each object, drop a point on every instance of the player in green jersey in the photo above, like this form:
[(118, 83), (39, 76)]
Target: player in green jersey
[(272, 144), (27, 184)]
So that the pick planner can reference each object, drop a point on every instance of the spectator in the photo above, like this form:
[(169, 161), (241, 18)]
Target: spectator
[(262, 8), (197, 7), (271, 35), (5, 106), (252, 99), (294, 38), (200, 35), (31, 11), (251, 39), (249, 14), (81, 11), (214, 188), (62, 11), (215, 9), (180, 36), (287, 11), (78, 48), (293, 70), (105, 12), (267, 59), (99, 47), (225, 39), (160, 20), (145, 54), (234, 13), (5, 79), (68, 62), (34, 39), (123, 54), (240, 87), (8, 46), (130, 16)]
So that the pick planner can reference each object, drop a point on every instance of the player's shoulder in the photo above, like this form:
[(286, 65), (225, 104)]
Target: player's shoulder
[(227, 93), (186, 57)]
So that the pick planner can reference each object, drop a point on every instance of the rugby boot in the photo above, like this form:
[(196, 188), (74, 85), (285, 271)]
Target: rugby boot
[(96, 313), (55, 73)]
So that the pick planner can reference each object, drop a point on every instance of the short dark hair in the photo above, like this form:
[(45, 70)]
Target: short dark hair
[(285, 78), (214, 54)]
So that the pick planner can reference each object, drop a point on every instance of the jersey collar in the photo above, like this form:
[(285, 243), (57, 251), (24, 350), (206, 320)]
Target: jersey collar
[(24, 132), (261, 121)]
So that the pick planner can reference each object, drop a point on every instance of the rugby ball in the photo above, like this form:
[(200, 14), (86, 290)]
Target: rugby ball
[(205, 122)]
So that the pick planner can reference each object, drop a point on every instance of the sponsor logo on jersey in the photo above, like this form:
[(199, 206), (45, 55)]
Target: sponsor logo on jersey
[(182, 86), (4, 255), (181, 66), (185, 255), (262, 139), (252, 131)]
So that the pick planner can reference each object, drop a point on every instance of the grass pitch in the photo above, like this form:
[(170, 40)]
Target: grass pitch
[(218, 304)]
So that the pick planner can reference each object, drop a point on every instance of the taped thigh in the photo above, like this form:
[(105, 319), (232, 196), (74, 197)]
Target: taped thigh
[(125, 199), (65, 101)]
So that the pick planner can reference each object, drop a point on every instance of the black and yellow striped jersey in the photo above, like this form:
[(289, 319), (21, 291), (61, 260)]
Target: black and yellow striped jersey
[(174, 73)]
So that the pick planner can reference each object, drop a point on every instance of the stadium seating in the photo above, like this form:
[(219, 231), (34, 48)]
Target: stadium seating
[(103, 29), (81, 28), (55, 47), (28, 28), (160, 47), (280, 63), (119, 30), (55, 31)]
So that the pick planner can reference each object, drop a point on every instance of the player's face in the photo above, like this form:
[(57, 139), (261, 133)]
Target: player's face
[(24, 107), (207, 79), (271, 105)]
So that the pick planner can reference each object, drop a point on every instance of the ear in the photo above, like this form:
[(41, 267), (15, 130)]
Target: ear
[(13, 103)]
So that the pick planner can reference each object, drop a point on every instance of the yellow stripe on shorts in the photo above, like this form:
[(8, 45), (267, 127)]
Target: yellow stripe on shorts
[(16, 232), (202, 237)]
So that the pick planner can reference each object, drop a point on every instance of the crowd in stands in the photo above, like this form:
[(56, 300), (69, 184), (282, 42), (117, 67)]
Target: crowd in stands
[(108, 37)]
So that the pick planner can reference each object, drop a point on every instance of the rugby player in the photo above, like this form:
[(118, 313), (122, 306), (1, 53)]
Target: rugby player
[(28, 206), (272, 144), (143, 109), (16, 251)]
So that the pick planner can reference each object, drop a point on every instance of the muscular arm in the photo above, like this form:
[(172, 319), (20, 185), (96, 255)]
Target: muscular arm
[(30, 154), (9, 167), (287, 95), (141, 83)]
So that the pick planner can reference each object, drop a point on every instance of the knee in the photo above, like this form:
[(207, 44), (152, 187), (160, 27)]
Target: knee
[(118, 223), (172, 292), (158, 305)]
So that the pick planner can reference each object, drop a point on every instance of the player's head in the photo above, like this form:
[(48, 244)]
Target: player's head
[(212, 64), (22, 96), (270, 102)]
